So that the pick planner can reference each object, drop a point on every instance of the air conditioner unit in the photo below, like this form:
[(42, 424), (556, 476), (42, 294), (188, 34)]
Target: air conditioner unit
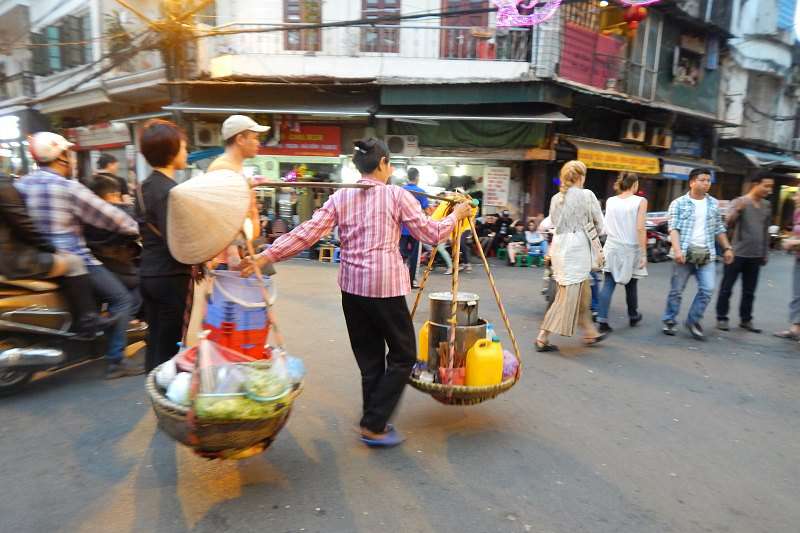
[(796, 144), (402, 145), (206, 134), (661, 138), (633, 130)]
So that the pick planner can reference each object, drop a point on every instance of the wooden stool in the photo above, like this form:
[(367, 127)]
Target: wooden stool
[(326, 254)]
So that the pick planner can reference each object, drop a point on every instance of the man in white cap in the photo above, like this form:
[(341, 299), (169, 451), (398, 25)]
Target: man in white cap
[(241, 136), (60, 207)]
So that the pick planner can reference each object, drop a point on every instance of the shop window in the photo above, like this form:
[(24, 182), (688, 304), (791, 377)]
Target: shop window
[(583, 14), (382, 38), (688, 60), (303, 12), (53, 38), (462, 35)]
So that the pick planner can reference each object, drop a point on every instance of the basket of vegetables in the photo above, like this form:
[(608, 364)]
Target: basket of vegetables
[(230, 409)]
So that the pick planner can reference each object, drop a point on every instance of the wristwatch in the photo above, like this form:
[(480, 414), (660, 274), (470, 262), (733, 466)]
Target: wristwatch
[(728, 249)]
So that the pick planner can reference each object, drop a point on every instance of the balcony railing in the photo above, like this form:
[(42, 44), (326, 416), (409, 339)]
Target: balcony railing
[(403, 41), (17, 85)]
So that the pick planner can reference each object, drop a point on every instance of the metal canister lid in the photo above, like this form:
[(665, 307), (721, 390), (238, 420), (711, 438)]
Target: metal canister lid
[(470, 298)]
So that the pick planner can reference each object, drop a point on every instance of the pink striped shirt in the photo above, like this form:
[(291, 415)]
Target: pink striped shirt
[(369, 223)]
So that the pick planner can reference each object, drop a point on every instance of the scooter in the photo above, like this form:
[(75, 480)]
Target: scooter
[(658, 244), (35, 334)]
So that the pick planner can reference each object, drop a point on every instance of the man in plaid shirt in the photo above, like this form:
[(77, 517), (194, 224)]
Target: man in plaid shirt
[(695, 222), (59, 208)]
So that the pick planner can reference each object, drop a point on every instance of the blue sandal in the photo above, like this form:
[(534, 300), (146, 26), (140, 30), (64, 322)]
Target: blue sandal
[(391, 438)]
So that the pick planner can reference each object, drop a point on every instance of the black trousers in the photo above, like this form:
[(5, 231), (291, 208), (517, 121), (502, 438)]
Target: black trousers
[(164, 304), (372, 324), (409, 249), (749, 268)]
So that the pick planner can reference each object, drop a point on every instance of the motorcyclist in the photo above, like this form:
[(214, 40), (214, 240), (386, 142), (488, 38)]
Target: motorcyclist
[(60, 207), (26, 254)]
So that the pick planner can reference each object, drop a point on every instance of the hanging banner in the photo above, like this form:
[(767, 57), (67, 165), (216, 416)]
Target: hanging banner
[(496, 183)]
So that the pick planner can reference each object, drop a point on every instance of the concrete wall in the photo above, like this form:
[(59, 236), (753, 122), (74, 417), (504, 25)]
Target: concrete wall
[(756, 75), (264, 54)]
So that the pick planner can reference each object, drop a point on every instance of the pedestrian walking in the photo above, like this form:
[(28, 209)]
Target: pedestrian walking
[(372, 278), (625, 250), (793, 244), (409, 245), (748, 224), (572, 211), (695, 223), (165, 281)]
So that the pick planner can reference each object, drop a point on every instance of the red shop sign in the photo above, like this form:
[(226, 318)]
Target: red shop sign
[(307, 140)]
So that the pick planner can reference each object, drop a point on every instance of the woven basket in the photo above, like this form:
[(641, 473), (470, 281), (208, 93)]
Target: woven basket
[(461, 394), (217, 438)]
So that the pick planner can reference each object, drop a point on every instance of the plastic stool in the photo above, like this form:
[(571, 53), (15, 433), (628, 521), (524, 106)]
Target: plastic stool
[(523, 260), (326, 254), (337, 255), (502, 253)]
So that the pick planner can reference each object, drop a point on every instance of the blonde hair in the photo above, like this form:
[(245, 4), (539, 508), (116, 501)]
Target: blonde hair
[(571, 173)]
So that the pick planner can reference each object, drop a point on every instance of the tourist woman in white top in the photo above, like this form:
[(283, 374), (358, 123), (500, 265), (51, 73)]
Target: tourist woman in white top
[(571, 257), (625, 250)]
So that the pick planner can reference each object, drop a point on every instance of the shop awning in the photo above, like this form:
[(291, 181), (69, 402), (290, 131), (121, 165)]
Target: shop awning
[(767, 160), (433, 118), (143, 116), (606, 155), (333, 110), (678, 168)]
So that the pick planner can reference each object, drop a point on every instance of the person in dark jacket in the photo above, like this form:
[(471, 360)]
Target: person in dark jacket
[(120, 254), (165, 281), (26, 254)]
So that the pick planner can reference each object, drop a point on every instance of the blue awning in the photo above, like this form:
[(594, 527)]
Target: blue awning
[(199, 155), (768, 160)]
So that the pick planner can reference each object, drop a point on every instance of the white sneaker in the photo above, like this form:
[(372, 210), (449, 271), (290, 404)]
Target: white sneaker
[(448, 272)]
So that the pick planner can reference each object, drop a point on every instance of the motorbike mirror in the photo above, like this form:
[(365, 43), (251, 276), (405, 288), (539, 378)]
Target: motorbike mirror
[(247, 229)]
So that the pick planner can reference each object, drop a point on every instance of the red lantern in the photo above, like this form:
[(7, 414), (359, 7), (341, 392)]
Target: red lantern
[(634, 15)]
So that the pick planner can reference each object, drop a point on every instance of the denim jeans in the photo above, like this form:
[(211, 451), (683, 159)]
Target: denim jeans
[(109, 289), (607, 292), (595, 279), (705, 288)]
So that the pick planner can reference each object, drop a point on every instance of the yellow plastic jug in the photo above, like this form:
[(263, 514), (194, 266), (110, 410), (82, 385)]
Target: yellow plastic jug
[(422, 347), (484, 364)]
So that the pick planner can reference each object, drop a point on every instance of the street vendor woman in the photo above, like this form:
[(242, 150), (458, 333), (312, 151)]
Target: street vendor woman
[(373, 278)]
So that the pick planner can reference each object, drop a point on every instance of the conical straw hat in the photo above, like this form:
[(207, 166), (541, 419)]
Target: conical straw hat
[(205, 214)]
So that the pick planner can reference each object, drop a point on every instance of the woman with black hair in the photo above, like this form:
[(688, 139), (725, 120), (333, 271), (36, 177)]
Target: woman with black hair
[(373, 278), (165, 281)]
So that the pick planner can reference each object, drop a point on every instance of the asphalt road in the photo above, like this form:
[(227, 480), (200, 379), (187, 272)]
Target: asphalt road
[(644, 433)]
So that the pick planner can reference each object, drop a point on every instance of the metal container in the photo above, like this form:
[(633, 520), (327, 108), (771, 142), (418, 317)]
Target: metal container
[(466, 308), (466, 336)]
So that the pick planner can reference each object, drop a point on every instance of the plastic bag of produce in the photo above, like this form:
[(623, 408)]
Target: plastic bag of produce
[(178, 390), (510, 365), (233, 386), (166, 373)]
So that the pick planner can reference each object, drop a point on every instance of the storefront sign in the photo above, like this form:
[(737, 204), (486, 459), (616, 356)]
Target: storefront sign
[(307, 140), (618, 161), (496, 183), (686, 145), (100, 136), (680, 171)]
